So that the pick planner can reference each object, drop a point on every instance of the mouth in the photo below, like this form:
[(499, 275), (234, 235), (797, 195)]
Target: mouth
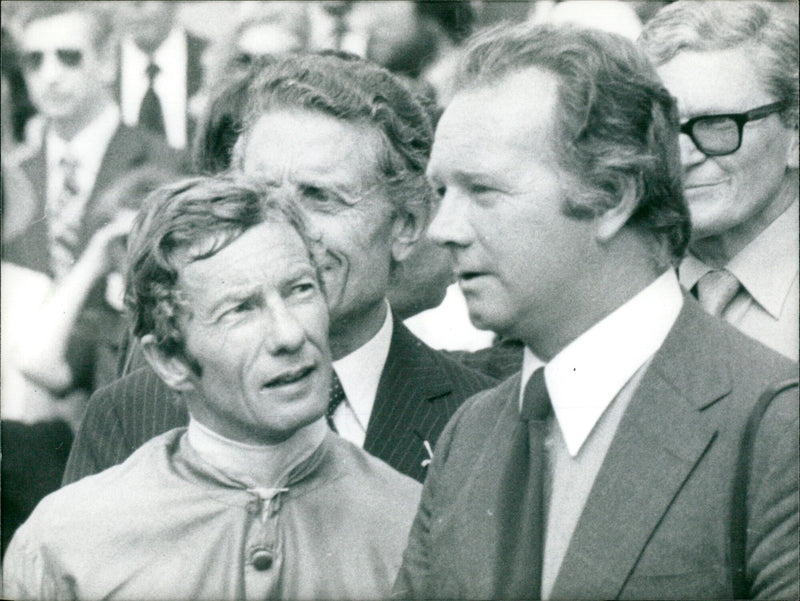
[(466, 276), (289, 377), (701, 185)]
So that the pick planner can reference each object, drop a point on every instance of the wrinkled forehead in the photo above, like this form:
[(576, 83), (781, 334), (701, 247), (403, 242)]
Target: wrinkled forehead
[(302, 147)]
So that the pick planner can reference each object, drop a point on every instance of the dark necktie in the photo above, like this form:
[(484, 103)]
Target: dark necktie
[(521, 512), (335, 399), (150, 114)]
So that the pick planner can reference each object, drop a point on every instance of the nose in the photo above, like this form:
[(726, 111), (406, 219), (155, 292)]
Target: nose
[(50, 69), (283, 333), (690, 154), (450, 225)]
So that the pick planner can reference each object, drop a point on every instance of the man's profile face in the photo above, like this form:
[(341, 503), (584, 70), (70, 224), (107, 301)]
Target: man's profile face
[(333, 163), (63, 70), (736, 191), (519, 260), (257, 326)]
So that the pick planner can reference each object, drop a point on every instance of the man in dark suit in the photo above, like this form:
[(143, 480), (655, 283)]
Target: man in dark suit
[(608, 468), (354, 142), (160, 70), (69, 68)]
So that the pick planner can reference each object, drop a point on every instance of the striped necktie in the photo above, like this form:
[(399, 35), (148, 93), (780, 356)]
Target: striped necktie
[(716, 289), (336, 397)]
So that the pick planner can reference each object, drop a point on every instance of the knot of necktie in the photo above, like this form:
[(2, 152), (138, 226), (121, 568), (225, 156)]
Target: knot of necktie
[(716, 289), (535, 400), (152, 71)]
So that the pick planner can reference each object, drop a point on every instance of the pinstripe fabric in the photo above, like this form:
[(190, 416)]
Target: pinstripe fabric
[(119, 419), (418, 392)]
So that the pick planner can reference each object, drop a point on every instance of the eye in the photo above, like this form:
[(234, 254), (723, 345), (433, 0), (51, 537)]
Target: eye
[(238, 309), (481, 189), (302, 289)]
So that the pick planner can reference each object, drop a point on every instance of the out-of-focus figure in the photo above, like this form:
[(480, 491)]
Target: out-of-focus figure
[(734, 69), (160, 70)]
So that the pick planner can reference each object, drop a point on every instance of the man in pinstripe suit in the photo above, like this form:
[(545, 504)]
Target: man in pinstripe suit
[(354, 143)]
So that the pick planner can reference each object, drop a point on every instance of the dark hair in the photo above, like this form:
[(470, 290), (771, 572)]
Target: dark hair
[(769, 32), (21, 107), (614, 125), (184, 222), (221, 125), (360, 92)]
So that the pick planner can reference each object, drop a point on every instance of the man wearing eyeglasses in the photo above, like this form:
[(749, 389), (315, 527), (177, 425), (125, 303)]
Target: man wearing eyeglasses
[(733, 67)]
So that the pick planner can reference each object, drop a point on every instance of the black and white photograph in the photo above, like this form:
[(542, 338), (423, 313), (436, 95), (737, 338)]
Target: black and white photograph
[(399, 299)]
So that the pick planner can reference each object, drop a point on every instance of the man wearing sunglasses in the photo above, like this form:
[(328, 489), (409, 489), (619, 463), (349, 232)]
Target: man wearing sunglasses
[(733, 67)]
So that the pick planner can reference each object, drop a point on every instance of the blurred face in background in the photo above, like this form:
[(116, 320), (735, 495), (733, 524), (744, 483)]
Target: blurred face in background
[(66, 74), (148, 23)]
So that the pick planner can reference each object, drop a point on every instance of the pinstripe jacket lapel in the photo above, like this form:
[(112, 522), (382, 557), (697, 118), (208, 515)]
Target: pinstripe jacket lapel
[(418, 391)]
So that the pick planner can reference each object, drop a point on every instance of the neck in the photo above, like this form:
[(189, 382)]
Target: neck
[(630, 265), (69, 128), (254, 464), (350, 332), (717, 250)]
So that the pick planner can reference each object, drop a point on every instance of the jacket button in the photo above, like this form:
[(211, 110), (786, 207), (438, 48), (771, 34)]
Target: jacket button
[(261, 559)]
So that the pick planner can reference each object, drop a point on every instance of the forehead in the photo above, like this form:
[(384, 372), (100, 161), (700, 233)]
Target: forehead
[(310, 147), (267, 253), (65, 30), (716, 81), (508, 121)]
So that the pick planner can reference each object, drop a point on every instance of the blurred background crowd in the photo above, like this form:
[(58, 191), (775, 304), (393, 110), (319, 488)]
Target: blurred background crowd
[(97, 113)]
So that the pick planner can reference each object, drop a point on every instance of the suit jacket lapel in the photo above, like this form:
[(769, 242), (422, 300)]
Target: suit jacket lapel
[(475, 556), (660, 439), (404, 413)]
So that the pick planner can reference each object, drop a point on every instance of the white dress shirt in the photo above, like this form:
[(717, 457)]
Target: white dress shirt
[(360, 373), (88, 147), (590, 383), (766, 307), (169, 84)]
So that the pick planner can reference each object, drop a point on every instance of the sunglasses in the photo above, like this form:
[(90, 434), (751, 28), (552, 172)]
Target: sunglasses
[(718, 135), (69, 57)]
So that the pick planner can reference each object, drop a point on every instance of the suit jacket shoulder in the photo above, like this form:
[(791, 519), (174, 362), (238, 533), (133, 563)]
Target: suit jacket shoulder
[(656, 523), (119, 418), (418, 392)]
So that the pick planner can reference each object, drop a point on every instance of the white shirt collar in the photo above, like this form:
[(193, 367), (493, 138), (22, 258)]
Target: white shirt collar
[(587, 374), (88, 147), (776, 247), (170, 83), (360, 371), (255, 465)]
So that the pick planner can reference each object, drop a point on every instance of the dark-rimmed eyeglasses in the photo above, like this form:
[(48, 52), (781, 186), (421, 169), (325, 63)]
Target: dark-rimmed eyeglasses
[(69, 57), (718, 135)]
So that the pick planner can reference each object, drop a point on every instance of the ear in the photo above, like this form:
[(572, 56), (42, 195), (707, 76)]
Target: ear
[(793, 152), (173, 370), (614, 219), (407, 229)]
